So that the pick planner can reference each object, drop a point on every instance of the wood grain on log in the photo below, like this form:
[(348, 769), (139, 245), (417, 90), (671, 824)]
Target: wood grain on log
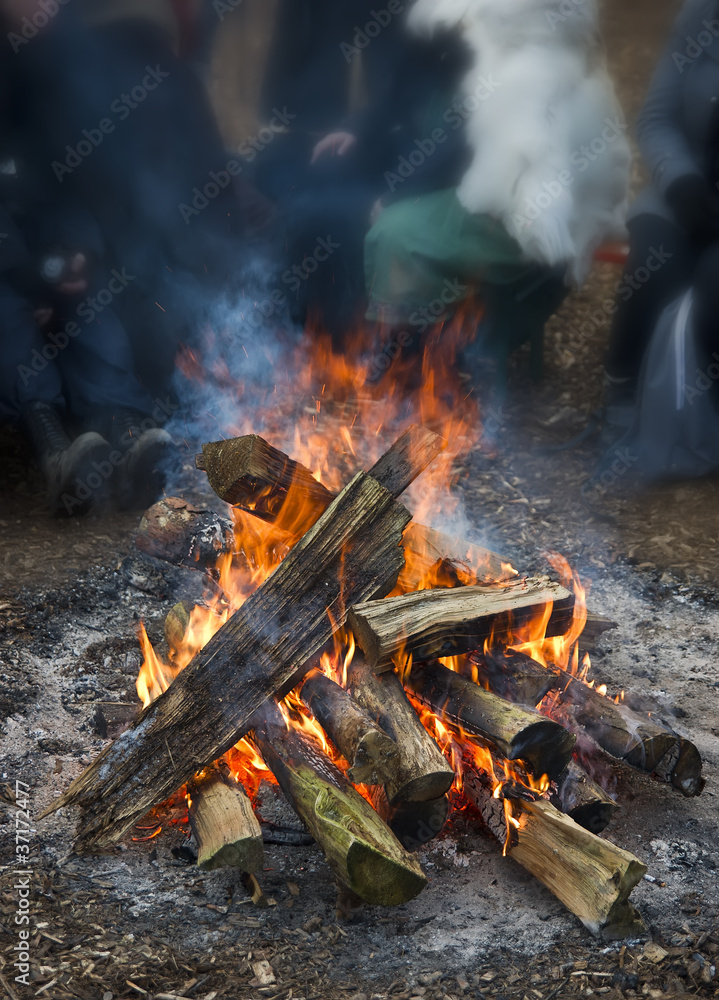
[(224, 823), (372, 754), (517, 733), (362, 851), (351, 553), (589, 875), (424, 773), (444, 622)]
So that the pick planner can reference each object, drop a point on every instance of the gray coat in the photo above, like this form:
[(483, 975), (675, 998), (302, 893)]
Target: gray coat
[(674, 128)]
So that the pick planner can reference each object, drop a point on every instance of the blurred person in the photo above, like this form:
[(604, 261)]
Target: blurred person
[(345, 91), (116, 120), (674, 222), (524, 218)]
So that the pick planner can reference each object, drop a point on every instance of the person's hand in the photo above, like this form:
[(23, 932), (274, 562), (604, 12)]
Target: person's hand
[(696, 206), (76, 281), (336, 144)]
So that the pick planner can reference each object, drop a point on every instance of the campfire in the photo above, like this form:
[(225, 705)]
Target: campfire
[(384, 674)]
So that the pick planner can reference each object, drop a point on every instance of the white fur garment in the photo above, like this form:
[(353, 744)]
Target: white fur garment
[(551, 159)]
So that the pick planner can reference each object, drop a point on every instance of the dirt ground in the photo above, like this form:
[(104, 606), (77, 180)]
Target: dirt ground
[(140, 922)]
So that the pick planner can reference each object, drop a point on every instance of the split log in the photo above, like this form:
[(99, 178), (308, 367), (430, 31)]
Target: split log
[(365, 856), (372, 754), (251, 473), (423, 773), (590, 876), (223, 822), (444, 622), (512, 675), (583, 799), (350, 554), (594, 628), (184, 535), (638, 740), (517, 733)]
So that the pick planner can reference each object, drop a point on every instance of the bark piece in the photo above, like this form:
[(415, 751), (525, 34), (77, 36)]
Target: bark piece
[(224, 823), (444, 622), (351, 553), (372, 754), (581, 798), (365, 856), (592, 877), (517, 733), (423, 772), (183, 534)]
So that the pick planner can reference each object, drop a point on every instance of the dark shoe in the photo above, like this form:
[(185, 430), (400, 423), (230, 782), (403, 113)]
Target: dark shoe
[(75, 472), (149, 457)]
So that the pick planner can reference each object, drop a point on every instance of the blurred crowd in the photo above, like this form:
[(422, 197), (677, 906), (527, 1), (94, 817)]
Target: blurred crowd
[(379, 160)]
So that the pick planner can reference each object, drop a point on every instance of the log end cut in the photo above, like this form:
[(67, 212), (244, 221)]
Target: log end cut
[(380, 880)]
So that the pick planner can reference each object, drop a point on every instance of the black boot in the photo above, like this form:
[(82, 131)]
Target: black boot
[(75, 472), (149, 457)]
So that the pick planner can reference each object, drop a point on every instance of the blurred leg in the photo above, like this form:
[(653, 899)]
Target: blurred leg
[(28, 372), (660, 266)]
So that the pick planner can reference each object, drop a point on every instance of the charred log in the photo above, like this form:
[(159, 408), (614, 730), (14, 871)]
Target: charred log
[(184, 535), (581, 798), (515, 732)]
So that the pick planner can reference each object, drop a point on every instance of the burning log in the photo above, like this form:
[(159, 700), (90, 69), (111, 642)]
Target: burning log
[(251, 473), (514, 676), (248, 472), (184, 535), (365, 856), (223, 821), (423, 773), (412, 823), (594, 628), (351, 554), (583, 799), (590, 876), (444, 622), (638, 740), (372, 754), (517, 733)]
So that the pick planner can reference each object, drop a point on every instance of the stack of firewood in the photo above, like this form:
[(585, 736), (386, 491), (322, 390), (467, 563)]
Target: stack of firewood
[(344, 555)]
